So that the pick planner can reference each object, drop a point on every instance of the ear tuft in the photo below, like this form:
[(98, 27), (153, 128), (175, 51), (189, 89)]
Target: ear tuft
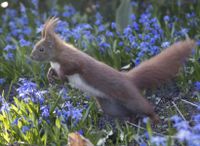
[(49, 27)]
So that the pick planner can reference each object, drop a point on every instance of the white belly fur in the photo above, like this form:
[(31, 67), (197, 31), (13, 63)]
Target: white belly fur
[(55, 66), (78, 82)]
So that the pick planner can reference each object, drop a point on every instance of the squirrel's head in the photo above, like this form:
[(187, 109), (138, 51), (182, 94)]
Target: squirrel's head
[(45, 49)]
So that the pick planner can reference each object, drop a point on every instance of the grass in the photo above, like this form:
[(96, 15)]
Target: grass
[(35, 112)]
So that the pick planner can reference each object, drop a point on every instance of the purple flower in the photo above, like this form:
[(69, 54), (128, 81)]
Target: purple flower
[(158, 140), (113, 25), (81, 132), (27, 31), (39, 29), (198, 42), (197, 85), (2, 81), (143, 144), (22, 8), (120, 44), (9, 56), (133, 17), (165, 44), (101, 28), (24, 43), (9, 47), (63, 93), (135, 26), (184, 31), (183, 134), (104, 45), (127, 49), (176, 119), (26, 88), (15, 122), (76, 114), (5, 106), (196, 118), (25, 129), (127, 31), (35, 3), (166, 18), (137, 61), (109, 34), (68, 11), (45, 111)]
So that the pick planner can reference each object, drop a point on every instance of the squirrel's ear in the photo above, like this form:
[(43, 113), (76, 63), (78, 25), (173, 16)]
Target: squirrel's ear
[(49, 34), (45, 27), (50, 26)]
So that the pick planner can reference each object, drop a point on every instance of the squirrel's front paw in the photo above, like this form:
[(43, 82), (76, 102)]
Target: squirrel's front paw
[(52, 76)]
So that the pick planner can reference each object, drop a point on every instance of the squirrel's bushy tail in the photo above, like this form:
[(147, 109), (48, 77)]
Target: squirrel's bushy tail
[(161, 67)]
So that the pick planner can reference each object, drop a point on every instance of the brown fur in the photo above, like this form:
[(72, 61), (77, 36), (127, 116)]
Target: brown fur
[(122, 97), (162, 67)]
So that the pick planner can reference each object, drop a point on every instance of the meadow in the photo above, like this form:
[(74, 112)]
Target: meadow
[(121, 34)]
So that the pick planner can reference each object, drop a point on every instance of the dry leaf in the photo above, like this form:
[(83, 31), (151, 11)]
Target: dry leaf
[(75, 139)]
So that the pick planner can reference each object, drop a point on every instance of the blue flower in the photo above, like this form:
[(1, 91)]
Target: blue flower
[(104, 45), (45, 111), (26, 88), (99, 18), (27, 31), (113, 25), (9, 47), (24, 43), (120, 44), (135, 26), (165, 44), (127, 49), (2, 81), (76, 114), (35, 3), (154, 50), (143, 144), (166, 18), (81, 132), (63, 93), (5, 106), (23, 21), (11, 12), (176, 119), (184, 31), (198, 42), (127, 31), (22, 8), (137, 61), (109, 34), (158, 140), (131, 38), (133, 17), (101, 28), (196, 118), (183, 134), (68, 11), (25, 129), (197, 85), (9, 56), (12, 25), (15, 122)]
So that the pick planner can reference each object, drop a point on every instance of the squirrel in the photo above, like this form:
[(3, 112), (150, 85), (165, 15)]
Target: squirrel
[(118, 93)]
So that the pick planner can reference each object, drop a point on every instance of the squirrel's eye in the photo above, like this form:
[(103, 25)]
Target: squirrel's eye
[(41, 49)]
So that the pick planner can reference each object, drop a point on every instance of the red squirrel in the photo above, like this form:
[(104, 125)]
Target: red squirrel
[(118, 93)]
